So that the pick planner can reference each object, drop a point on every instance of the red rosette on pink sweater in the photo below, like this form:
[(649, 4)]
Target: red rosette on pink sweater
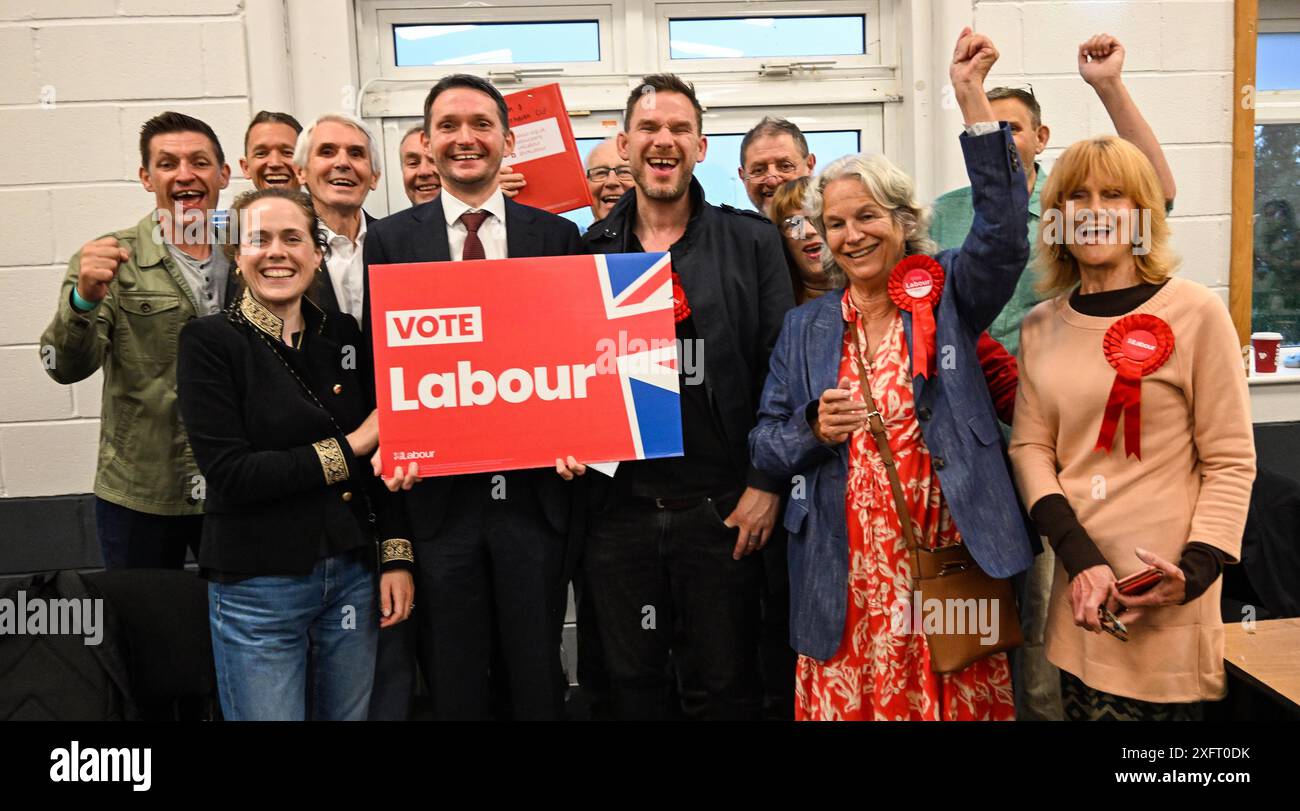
[(915, 285), (1136, 345)]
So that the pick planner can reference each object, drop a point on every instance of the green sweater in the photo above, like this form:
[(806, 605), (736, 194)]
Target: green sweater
[(953, 215)]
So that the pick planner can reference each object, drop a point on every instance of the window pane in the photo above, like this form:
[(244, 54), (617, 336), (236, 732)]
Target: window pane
[(497, 43), (1276, 286), (1278, 61), (582, 216), (766, 36), (717, 174)]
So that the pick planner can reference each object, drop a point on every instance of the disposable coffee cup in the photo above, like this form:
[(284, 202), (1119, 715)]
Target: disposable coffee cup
[(1263, 349)]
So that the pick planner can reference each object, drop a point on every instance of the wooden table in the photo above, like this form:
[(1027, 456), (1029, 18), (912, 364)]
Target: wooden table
[(1267, 658)]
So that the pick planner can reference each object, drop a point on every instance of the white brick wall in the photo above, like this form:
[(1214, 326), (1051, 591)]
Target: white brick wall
[(1178, 68), (80, 77)]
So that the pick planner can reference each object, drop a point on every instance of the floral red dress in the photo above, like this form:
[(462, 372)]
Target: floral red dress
[(880, 671)]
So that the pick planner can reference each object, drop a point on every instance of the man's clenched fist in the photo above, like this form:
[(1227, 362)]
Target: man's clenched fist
[(99, 261)]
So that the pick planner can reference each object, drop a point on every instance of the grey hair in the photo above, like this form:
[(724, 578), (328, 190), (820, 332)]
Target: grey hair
[(302, 149), (773, 126), (889, 186), (416, 130)]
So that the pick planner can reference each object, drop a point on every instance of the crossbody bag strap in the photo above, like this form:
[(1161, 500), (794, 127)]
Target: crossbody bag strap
[(876, 424)]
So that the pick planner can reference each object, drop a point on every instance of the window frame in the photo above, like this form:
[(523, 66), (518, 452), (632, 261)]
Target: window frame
[(870, 10), (1263, 107), (377, 19)]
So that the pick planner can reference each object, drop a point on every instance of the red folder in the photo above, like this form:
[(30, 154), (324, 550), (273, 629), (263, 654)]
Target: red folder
[(545, 152)]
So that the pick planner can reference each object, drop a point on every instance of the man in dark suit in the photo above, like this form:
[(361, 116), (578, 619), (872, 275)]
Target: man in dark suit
[(490, 548)]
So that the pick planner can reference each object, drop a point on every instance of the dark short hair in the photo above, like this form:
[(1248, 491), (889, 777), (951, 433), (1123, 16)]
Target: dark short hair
[(472, 83), (270, 117), (771, 125), (301, 199), (169, 122), (663, 83), (1023, 96)]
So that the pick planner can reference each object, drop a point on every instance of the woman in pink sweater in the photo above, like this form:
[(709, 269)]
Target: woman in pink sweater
[(1132, 443)]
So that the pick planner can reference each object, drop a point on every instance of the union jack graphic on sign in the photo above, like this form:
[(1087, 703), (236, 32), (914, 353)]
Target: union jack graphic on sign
[(633, 284)]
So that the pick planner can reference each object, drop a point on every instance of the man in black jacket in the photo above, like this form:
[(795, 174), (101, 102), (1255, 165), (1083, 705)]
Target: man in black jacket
[(670, 556), (489, 547)]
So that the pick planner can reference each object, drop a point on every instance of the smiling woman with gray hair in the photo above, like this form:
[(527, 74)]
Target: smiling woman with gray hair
[(876, 405)]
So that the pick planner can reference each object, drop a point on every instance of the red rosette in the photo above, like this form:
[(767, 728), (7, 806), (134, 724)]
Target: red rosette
[(681, 308), (1136, 345), (915, 285)]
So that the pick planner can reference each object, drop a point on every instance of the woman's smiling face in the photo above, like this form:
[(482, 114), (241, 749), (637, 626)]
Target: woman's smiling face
[(277, 256), (863, 236)]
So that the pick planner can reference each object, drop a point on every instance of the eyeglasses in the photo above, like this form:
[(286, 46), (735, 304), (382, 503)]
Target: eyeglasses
[(796, 227), (1111, 624), (599, 174), (782, 170), (1024, 88)]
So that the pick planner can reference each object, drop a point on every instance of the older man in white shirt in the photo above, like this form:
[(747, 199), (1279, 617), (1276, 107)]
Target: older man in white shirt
[(337, 160)]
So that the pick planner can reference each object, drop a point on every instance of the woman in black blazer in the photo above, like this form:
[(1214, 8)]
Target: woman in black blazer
[(282, 427)]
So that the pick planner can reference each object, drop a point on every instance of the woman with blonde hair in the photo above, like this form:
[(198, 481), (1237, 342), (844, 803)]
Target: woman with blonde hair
[(1132, 444)]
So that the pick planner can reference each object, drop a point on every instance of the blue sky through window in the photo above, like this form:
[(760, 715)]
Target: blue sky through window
[(1278, 61), (747, 37), (496, 43)]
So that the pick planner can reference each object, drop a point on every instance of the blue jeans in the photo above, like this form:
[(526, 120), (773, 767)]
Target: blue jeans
[(266, 631)]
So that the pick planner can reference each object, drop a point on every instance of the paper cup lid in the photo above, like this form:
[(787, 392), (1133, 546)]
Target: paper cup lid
[(1266, 336)]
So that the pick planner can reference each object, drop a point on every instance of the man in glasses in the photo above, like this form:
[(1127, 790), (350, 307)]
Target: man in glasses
[(771, 153), (1101, 60), (608, 176)]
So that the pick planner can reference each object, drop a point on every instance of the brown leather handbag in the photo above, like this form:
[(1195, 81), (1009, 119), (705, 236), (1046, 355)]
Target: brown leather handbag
[(947, 577)]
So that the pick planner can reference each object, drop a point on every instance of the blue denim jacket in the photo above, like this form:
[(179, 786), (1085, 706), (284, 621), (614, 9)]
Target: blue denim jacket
[(961, 432)]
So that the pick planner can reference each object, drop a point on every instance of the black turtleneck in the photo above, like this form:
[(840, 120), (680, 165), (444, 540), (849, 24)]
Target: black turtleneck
[(1054, 517)]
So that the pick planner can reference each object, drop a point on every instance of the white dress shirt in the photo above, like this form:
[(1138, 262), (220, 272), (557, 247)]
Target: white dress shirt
[(344, 263), (492, 233)]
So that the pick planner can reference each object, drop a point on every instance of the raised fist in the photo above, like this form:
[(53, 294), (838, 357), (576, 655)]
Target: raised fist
[(972, 59), (1101, 59), (99, 261)]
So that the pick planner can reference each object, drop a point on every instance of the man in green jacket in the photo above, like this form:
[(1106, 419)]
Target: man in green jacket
[(121, 308)]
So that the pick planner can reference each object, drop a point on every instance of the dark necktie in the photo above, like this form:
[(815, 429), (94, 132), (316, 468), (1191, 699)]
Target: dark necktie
[(473, 246)]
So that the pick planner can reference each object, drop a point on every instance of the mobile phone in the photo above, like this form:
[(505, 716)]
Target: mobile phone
[(1140, 582)]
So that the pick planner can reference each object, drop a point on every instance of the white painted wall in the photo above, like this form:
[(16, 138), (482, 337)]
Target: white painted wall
[(81, 76), (68, 167), (1178, 68)]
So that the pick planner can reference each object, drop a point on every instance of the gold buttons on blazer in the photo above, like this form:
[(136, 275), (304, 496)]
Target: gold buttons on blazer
[(347, 495), (338, 388)]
